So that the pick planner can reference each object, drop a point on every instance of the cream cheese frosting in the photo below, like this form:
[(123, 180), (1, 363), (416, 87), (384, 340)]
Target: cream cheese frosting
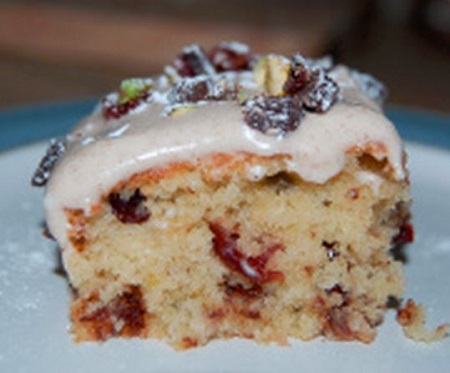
[(102, 152)]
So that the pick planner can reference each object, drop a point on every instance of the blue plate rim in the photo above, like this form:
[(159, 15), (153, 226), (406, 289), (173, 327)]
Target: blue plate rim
[(18, 125)]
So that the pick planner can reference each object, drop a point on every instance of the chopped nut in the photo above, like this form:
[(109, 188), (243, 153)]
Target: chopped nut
[(131, 89), (178, 110), (271, 73)]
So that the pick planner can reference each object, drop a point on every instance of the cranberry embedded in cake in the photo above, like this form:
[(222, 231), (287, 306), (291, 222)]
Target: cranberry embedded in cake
[(236, 194)]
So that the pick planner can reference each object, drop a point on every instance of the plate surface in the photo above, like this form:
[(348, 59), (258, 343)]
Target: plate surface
[(34, 297)]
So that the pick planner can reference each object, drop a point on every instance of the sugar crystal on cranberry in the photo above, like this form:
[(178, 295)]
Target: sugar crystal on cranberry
[(299, 75), (308, 79), (230, 56), (273, 115), (193, 61), (321, 92), (55, 150), (191, 90), (224, 89)]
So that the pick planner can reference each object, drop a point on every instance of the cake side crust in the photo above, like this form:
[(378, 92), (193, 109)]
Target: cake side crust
[(238, 246)]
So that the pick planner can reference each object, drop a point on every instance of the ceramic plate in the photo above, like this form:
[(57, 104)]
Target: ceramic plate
[(34, 297)]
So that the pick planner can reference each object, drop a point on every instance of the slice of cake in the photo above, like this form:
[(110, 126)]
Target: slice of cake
[(234, 195)]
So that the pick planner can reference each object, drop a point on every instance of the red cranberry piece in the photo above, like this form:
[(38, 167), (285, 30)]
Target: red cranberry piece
[(337, 323), (230, 56), (113, 109), (238, 289), (100, 323), (302, 71), (338, 290), (192, 62), (405, 233), (321, 93), (273, 115), (299, 76), (191, 90), (251, 267), (129, 210), (308, 79), (129, 307), (53, 153), (332, 253)]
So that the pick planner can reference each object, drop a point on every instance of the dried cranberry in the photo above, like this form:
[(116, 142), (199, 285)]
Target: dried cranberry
[(129, 210), (114, 109), (332, 253), (337, 289), (230, 56), (100, 323), (191, 90), (53, 153), (252, 268), (273, 115), (308, 79), (405, 233), (299, 76), (321, 92), (337, 324), (192, 62), (223, 89), (238, 289), (189, 342), (129, 307)]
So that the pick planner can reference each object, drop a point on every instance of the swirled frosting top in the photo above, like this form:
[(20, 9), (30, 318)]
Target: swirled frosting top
[(226, 101)]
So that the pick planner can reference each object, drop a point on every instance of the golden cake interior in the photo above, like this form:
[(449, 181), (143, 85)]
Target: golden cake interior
[(235, 245)]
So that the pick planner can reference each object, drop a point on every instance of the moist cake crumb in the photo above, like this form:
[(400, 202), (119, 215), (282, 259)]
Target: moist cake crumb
[(235, 195)]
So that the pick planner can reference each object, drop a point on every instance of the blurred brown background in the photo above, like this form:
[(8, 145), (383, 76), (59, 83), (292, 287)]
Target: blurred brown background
[(61, 50)]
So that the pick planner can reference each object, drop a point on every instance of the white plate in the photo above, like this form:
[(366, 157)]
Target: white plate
[(34, 299)]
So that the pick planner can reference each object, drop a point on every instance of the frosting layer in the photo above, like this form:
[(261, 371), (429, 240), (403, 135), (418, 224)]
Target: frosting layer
[(102, 152)]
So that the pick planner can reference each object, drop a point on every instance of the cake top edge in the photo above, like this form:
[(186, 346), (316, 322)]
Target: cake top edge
[(227, 100), (262, 84), (274, 93)]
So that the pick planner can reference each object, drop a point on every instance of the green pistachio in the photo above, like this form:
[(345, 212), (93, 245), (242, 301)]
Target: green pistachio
[(132, 88)]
